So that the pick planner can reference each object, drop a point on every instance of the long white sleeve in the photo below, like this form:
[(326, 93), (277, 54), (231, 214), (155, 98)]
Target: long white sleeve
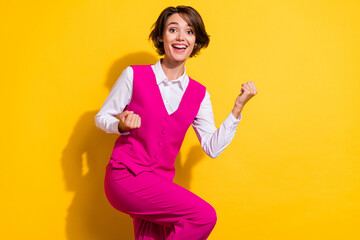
[(213, 141)]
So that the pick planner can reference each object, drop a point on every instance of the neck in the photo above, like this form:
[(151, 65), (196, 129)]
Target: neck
[(172, 69)]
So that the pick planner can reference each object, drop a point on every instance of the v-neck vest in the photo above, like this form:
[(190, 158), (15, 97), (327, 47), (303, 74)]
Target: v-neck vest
[(155, 145)]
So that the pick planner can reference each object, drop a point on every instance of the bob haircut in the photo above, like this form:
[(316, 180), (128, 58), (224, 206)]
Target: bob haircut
[(192, 17)]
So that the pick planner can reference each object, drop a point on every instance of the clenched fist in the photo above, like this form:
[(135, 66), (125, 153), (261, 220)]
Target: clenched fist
[(248, 90), (128, 120)]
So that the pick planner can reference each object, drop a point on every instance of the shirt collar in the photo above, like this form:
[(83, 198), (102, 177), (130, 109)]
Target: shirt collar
[(161, 77)]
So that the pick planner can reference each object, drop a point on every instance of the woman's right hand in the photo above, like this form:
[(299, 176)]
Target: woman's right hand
[(128, 120)]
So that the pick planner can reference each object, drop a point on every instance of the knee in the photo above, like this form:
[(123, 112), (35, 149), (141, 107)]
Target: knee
[(212, 216), (209, 216)]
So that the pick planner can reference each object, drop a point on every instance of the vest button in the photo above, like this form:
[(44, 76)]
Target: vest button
[(156, 157), (163, 132), (160, 144), (167, 119)]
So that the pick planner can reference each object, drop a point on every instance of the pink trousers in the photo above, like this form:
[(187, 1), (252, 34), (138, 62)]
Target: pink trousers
[(160, 208)]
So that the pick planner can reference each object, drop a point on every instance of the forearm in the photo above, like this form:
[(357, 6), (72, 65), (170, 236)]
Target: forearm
[(107, 123), (237, 110), (214, 141)]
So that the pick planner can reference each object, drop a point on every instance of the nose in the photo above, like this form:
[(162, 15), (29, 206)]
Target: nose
[(180, 36)]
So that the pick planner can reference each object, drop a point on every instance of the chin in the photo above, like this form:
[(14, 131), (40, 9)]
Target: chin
[(180, 58)]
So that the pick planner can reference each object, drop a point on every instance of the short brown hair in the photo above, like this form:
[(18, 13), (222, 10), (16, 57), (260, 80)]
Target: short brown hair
[(191, 16)]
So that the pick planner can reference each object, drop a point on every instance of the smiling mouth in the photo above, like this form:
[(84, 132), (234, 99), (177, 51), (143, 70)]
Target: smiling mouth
[(176, 46)]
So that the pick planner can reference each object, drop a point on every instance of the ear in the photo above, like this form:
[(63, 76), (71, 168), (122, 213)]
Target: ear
[(160, 39)]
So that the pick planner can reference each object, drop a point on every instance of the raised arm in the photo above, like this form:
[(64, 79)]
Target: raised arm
[(213, 141)]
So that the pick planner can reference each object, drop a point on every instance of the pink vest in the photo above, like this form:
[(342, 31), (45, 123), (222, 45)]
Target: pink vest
[(155, 145)]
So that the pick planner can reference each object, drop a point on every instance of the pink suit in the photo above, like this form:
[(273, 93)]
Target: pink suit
[(139, 175)]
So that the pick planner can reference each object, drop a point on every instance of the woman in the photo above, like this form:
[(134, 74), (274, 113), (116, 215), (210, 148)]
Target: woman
[(151, 107)]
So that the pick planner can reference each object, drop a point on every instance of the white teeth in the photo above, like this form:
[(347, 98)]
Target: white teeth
[(179, 46)]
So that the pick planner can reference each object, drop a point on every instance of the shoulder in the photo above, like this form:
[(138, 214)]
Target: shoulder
[(197, 84), (142, 71), (128, 71), (140, 67), (125, 79), (126, 75)]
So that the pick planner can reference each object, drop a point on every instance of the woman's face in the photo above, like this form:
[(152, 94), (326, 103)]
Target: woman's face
[(178, 38)]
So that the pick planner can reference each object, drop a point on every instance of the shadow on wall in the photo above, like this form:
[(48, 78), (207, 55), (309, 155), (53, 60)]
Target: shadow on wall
[(184, 168), (84, 159)]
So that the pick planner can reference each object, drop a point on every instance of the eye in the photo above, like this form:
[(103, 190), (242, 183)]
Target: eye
[(172, 30), (190, 32)]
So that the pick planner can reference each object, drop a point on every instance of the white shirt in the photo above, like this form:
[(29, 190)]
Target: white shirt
[(213, 141)]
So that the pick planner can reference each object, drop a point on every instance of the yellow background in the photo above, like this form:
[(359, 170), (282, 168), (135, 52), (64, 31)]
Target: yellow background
[(292, 170)]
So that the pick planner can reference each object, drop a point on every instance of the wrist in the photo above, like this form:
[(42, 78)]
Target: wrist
[(236, 111), (121, 127)]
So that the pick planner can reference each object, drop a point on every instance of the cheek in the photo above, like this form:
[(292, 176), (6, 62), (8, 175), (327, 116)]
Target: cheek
[(192, 41)]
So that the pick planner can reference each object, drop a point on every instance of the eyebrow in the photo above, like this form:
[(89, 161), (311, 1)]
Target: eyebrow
[(176, 23)]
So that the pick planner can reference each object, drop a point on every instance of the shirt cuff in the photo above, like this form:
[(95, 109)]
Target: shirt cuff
[(115, 128), (231, 121)]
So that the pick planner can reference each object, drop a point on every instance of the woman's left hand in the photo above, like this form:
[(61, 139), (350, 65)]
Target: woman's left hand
[(248, 90)]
